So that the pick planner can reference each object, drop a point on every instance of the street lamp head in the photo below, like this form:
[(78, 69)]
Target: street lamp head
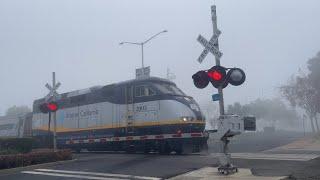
[(165, 31), (121, 43)]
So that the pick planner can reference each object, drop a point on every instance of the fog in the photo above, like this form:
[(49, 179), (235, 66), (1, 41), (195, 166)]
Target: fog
[(79, 40)]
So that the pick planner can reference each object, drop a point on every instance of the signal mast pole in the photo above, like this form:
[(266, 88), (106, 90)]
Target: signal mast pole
[(54, 115), (53, 96), (219, 78), (217, 58)]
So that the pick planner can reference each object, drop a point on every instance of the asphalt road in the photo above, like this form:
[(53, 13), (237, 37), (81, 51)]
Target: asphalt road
[(138, 165), (105, 166), (257, 141)]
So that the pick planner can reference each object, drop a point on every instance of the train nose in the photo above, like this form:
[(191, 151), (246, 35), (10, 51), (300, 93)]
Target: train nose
[(194, 107)]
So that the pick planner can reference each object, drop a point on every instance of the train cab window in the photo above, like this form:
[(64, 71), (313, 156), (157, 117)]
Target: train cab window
[(141, 91), (150, 92), (169, 89)]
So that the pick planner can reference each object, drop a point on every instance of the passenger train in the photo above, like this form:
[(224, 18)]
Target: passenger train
[(146, 115)]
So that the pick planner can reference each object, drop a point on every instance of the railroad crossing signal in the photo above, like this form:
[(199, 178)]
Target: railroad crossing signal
[(48, 107), (52, 106), (219, 77), (211, 46)]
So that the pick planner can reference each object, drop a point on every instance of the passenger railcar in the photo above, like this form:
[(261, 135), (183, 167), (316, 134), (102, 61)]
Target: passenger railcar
[(150, 114)]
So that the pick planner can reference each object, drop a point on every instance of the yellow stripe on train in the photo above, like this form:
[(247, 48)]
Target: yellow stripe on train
[(123, 125)]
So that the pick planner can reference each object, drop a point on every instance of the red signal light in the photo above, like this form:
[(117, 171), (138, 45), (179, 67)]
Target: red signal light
[(215, 75), (48, 107), (53, 107)]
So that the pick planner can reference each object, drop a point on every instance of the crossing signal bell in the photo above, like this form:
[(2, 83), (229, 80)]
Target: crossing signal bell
[(48, 107), (219, 77)]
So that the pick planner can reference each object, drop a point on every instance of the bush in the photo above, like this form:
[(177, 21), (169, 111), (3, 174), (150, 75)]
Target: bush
[(15, 145), (17, 160)]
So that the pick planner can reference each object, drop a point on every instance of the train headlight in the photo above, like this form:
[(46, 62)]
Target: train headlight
[(187, 118)]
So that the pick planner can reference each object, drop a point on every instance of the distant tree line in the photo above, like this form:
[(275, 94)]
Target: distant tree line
[(17, 110), (269, 110), (303, 91)]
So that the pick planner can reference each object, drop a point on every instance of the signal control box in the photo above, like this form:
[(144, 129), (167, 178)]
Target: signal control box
[(249, 123), (231, 125)]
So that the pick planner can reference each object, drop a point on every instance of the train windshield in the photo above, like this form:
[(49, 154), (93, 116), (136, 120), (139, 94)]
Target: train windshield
[(167, 88)]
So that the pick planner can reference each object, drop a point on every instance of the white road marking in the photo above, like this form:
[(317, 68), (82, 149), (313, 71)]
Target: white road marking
[(265, 156), (86, 175), (67, 175)]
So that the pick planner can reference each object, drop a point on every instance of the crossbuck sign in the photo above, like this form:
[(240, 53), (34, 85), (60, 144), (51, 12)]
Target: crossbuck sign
[(210, 46), (53, 94)]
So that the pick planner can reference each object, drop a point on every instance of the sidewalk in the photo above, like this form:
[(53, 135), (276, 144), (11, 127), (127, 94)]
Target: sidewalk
[(306, 144), (211, 173)]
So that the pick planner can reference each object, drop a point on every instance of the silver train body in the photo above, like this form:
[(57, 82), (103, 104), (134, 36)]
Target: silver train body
[(146, 115), (15, 126)]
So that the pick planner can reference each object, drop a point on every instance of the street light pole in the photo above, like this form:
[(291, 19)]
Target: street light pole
[(142, 55), (142, 44)]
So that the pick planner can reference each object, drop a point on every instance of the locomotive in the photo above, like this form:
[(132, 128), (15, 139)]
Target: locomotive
[(141, 115)]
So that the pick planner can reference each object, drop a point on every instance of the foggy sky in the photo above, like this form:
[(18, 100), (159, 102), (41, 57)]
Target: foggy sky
[(79, 40)]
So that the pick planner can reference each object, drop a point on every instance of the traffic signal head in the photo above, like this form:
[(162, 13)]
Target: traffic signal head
[(48, 107), (200, 79)]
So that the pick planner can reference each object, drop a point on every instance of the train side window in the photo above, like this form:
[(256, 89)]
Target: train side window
[(139, 91)]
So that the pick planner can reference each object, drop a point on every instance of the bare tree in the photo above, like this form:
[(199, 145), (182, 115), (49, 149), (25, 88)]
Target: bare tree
[(267, 110), (304, 91)]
